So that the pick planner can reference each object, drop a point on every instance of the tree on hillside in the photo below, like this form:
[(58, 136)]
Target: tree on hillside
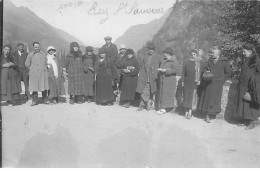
[(238, 21)]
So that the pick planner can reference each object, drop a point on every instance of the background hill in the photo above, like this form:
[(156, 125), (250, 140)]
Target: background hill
[(22, 25), (136, 36)]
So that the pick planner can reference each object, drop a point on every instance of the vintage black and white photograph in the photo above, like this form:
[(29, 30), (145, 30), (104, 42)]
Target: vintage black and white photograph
[(130, 84)]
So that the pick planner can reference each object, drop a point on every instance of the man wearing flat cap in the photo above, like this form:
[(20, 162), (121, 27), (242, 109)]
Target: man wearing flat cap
[(19, 57), (148, 73), (110, 49)]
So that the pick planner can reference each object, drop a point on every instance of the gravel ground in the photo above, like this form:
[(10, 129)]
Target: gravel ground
[(89, 135)]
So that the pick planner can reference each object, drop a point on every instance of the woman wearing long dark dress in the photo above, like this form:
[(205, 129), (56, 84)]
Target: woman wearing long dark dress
[(74, 69), (167, 81), (130, 68), (210, 99), (248, 97), (88, 74), (10, 83), (105, 73), (192, 72)]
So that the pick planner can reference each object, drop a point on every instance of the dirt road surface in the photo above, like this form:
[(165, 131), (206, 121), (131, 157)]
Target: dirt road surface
[(89, 135)]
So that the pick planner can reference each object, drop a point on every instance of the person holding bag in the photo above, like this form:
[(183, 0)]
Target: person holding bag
[(248, 90), (218, 72), (130, 68)]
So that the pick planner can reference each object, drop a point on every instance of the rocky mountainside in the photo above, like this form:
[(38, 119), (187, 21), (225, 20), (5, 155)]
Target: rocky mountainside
[(22, 25), (191, 24), (136, 36)]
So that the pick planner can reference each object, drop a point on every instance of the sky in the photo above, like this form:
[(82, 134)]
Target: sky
[(92, 20)]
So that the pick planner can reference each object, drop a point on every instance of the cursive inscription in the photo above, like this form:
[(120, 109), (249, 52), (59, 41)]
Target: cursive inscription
[(95, 10), (123, 8)]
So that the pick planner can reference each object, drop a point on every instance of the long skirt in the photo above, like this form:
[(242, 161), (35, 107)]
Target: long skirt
[(53, 85), (128, 88), (104, 90), (9, 94)]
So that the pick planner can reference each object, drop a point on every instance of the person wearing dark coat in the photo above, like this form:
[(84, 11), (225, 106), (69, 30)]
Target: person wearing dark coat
[(148, 75), (105, 74), (88, 74), (36, 61), (130, 68), (73, 68), (110, 50), (19, 58), (167, 81), (210, 99), (10, 83), (192, 72), (248, 90)]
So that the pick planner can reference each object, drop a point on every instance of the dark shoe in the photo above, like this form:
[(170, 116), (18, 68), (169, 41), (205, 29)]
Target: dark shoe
[(79, 102), (140, 108), (71, 101), (10, 103), (110, 104), (250, 126), (54, 101), (46, 101), (189, 116), (127, 105), (207, 119), (33, 103)]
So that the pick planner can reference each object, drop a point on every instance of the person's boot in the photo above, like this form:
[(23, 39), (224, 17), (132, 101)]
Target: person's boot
[(34, 99), (34, 102), (127, 105), (10, 103), (45, 98), (78, 100), (89, 99), (207, 118), (55, 101), (71, 100), (250, 126), (140, 108)]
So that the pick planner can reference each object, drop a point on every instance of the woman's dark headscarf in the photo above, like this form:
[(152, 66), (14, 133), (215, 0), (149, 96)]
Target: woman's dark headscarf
[(253, 59), (75, 53)]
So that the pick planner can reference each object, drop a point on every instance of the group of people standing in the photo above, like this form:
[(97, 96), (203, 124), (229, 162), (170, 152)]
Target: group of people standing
[(96, 77)]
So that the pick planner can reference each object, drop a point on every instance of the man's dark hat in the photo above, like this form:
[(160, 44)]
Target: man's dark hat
[(130, 51), (19, 44), (168, 50), (89, 49), (194, 51), (101, 51)]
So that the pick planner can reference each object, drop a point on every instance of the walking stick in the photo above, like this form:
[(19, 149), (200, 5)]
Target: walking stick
[(95, 83)]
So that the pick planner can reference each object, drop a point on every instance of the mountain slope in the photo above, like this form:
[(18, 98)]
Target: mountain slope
[(22, 25), (191, 24), (137, 35)]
